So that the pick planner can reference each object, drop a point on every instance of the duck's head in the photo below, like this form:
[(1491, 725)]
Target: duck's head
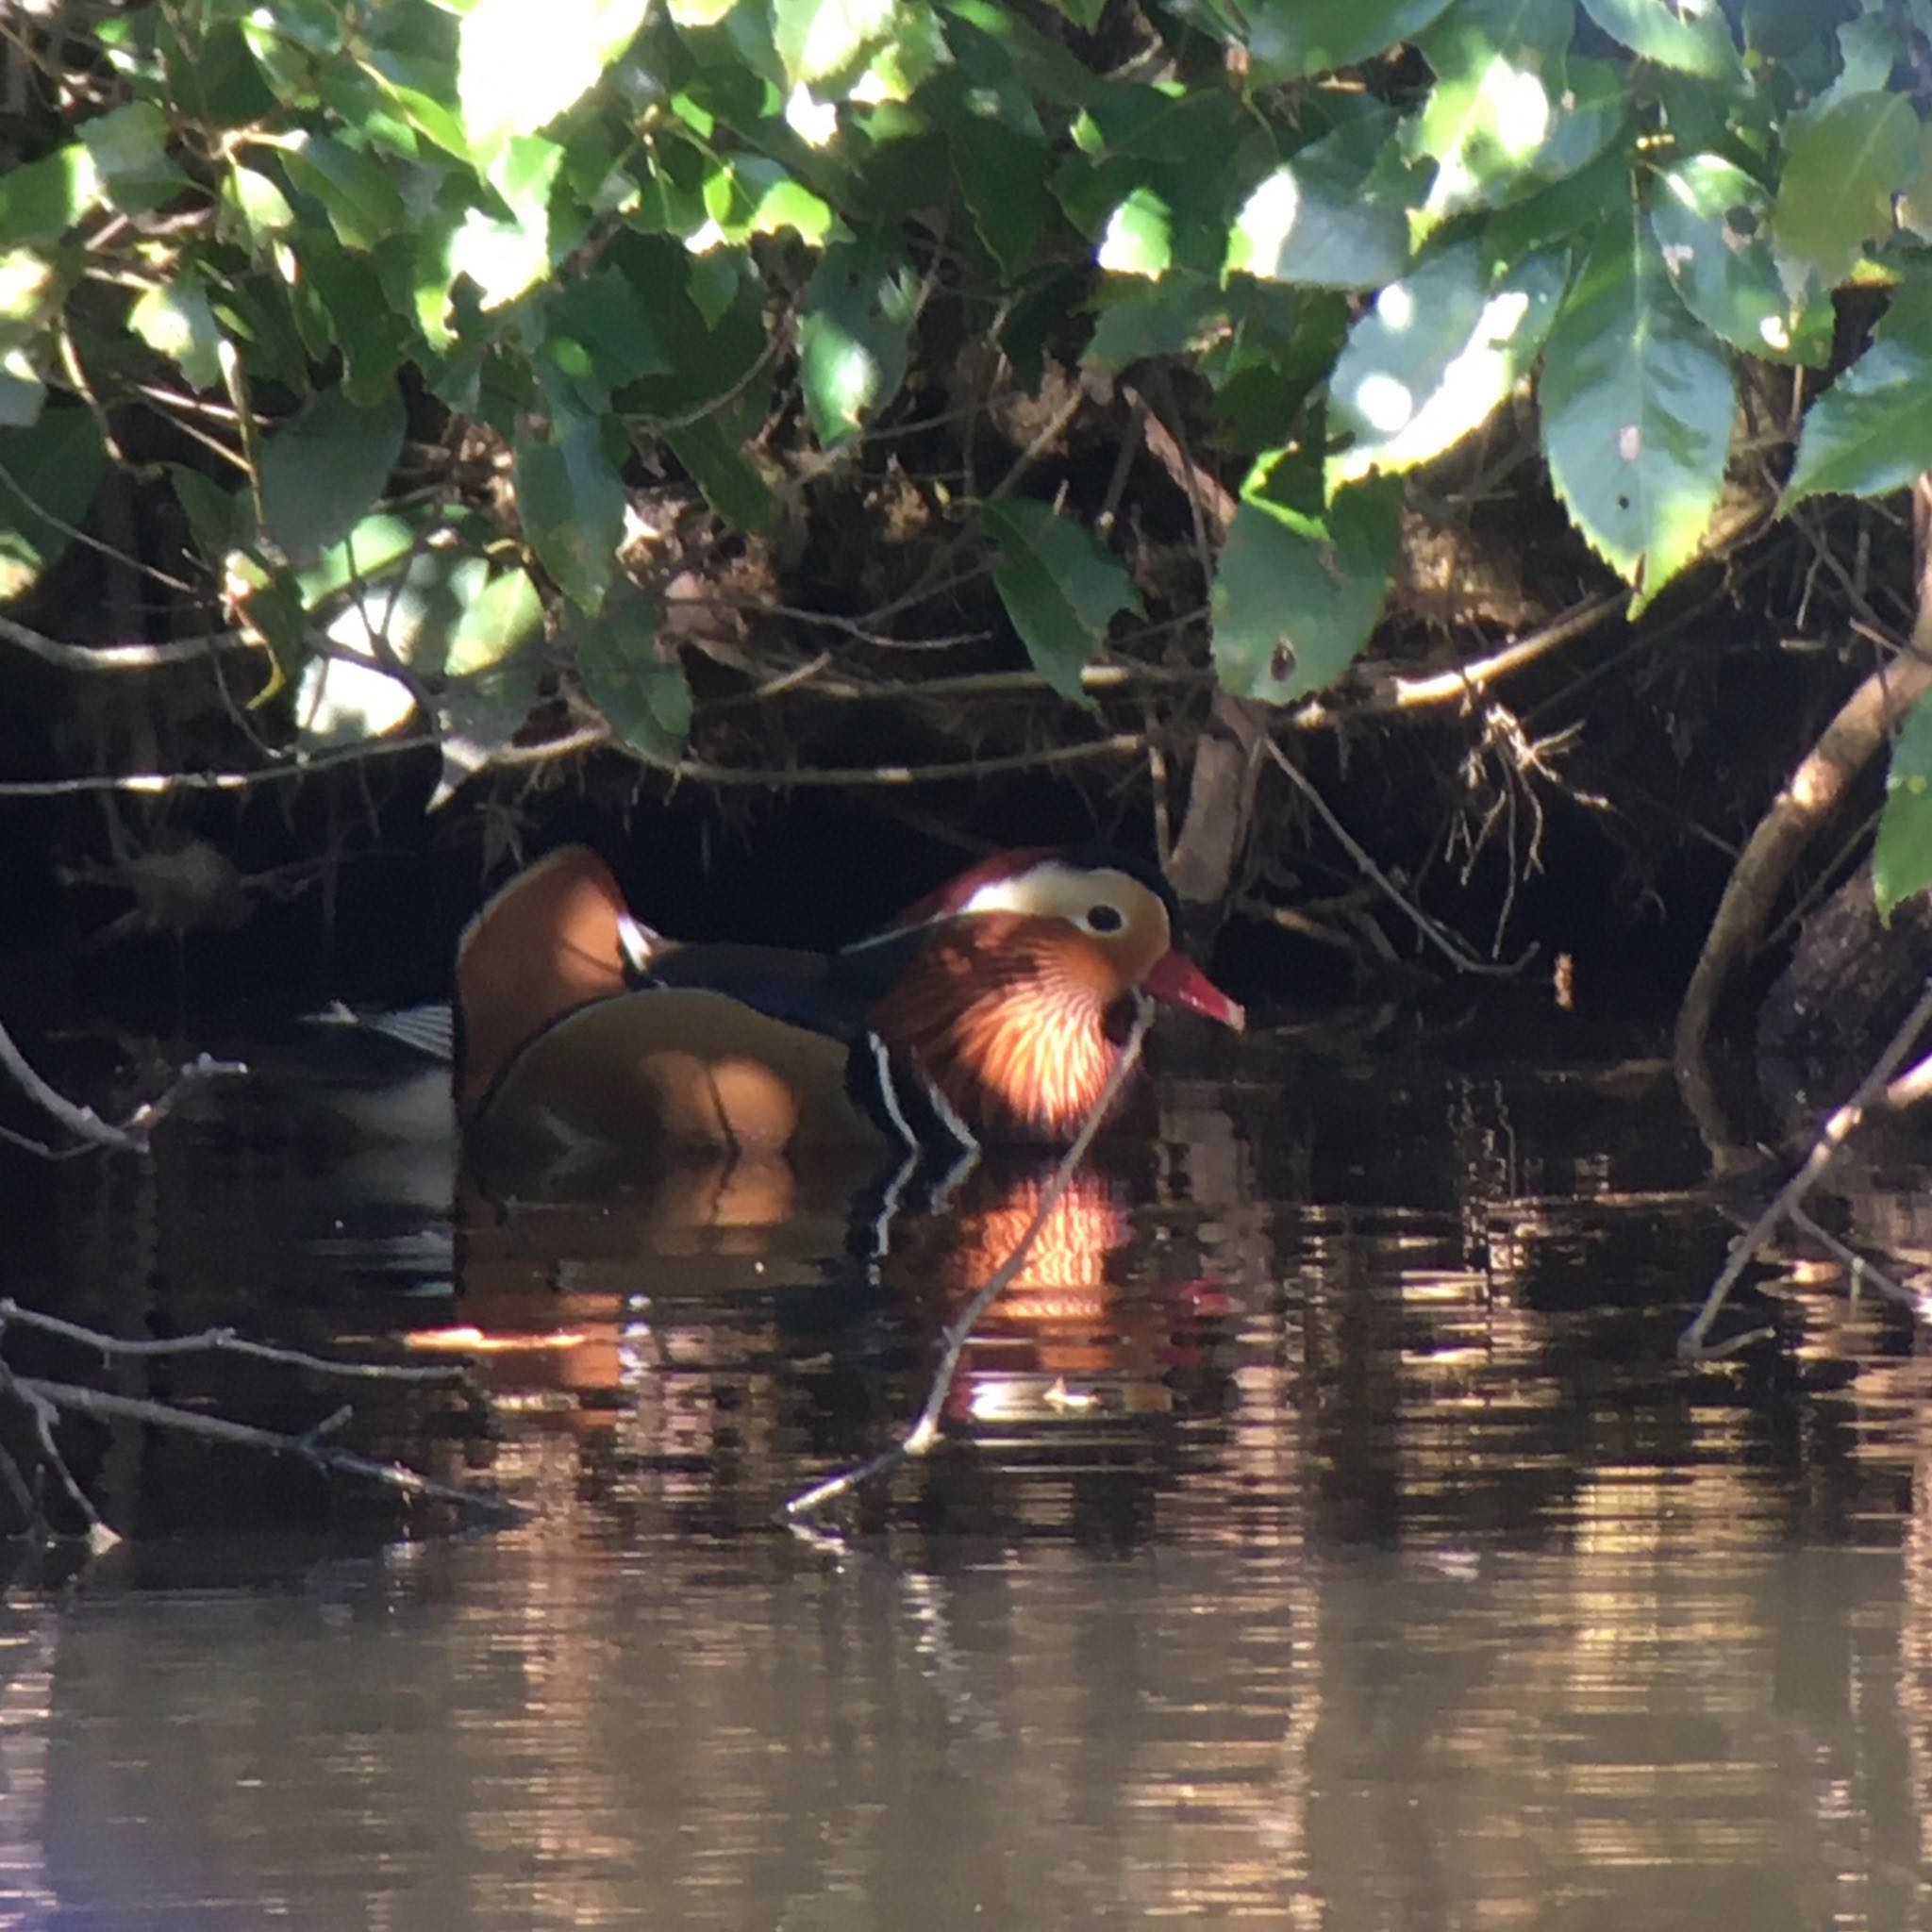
[(1111, 906)]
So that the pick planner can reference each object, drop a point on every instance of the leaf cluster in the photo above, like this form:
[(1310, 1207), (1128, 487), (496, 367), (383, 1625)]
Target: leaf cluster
[(432, 325)]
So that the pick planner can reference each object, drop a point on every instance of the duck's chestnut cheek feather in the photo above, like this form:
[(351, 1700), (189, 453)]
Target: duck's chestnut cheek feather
[(1177, 980)]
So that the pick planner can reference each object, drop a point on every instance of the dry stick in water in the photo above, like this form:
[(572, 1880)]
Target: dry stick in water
[(90, 1129), (920, 1438), (44, 1401), (1833, 1136)]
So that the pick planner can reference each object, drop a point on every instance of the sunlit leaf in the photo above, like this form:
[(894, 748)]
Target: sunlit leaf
[(852, 335), (1436, 353), (1497, 95), (53, 466), (1902, 856), (129, 146), (571, 499), (1691, 36), (41, 200), (1871, 432), (1298, 587), (321, 474), (1334, 215), (1842, 167), (522, 62), (817, 39), (503, 614), (1711, 222), (174, 319), (1636, 406), (357, 195), (1139, 237), (263, 207), (1061, 589)]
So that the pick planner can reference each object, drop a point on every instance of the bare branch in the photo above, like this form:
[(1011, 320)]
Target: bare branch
[(217, 1341), (72, 1397), (118, 657), (131, 1135), (1837, 1130)]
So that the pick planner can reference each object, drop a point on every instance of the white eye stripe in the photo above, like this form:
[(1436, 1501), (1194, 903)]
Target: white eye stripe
[(1052, 889)]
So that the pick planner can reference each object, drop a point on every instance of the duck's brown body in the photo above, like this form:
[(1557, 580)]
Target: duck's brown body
[(994, 1014)]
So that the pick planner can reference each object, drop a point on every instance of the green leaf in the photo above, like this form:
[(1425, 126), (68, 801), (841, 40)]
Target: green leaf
[(1001, 164), (53, 466), (1061, 589), (41, 201), (571, 499), (1436, 355), (370, 330), (1298, 587), (595, 333), (858, 315), (1334, 216), (1288, 39), (1711, 220), (817, 40), (1498, 90), (174, 321), (516, 73), (1902, 856), (503, 614), (480, 718), (131, 149), (1137, 319), (643, 694), (22, 392), (1842, 167), (362, 557), (1139, 237), (731, 483), (362, 203), (1871, 432), (1637, 407), (216, 517), (321, 474), (1690, 38), (262, 207)]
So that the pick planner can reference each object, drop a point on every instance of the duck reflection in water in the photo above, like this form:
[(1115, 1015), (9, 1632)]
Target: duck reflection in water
[(740, 1115)]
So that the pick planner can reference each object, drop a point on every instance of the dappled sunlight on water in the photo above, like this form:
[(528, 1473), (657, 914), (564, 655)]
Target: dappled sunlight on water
[(1324, 1536)]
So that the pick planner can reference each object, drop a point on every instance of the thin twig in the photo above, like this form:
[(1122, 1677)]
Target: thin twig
[(920, 1438), (217, 1341), (1438, 936), (130, 1136), (118, 657), (1388, 693), (98, 1403), (1837, 1130), (1863, 1272)]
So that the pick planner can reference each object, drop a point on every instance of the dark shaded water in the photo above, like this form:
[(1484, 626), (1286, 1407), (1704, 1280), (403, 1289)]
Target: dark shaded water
[(1326, 1536)]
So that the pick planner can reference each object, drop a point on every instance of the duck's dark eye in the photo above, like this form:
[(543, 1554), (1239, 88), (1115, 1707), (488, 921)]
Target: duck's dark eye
[(1105, 919)]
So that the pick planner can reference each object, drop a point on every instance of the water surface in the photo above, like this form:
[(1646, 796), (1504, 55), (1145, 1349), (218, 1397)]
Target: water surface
[(1325, 1536)]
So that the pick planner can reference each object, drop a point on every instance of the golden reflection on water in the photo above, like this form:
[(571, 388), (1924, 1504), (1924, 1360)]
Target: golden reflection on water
[(1325, 1541)]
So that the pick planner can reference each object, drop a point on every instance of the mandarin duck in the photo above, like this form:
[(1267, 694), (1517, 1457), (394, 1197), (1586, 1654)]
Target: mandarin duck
[(991, 1013)]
